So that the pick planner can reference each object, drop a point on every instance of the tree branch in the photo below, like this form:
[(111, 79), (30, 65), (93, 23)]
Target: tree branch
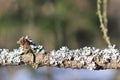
[(83, 58)]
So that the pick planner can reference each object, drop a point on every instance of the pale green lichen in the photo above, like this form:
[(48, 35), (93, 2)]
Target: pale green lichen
[(84, 55)]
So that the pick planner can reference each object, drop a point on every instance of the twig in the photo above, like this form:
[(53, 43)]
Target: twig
[(102, 15)]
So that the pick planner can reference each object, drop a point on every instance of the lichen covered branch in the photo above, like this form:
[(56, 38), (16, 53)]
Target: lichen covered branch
[(83, 58), (86, 57)]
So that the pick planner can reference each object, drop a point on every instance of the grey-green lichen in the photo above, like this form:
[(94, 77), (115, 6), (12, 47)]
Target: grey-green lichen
[(85, 56), (9, 57), (14, 56)]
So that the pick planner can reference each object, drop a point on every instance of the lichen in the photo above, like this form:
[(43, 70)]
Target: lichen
[(85, 56), (14, 56), (9, 57)]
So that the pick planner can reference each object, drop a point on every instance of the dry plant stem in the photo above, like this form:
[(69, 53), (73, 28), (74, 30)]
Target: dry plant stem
[(102, 15), (105, 12)]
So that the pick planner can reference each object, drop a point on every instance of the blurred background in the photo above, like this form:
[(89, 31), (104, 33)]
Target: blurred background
[(55, 23)]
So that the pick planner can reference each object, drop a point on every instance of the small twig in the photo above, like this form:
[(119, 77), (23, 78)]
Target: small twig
[(105, 13), (102, 15)]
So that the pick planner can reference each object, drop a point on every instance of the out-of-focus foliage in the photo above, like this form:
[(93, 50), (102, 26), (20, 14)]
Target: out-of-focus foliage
[(68, 22), (63, 20)]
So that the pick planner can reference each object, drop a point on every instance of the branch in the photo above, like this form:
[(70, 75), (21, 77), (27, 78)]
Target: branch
[(87, 57)]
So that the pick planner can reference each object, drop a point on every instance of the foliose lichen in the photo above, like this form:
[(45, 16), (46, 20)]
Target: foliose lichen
[(9, 57), (84, 56), (14, 56)]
